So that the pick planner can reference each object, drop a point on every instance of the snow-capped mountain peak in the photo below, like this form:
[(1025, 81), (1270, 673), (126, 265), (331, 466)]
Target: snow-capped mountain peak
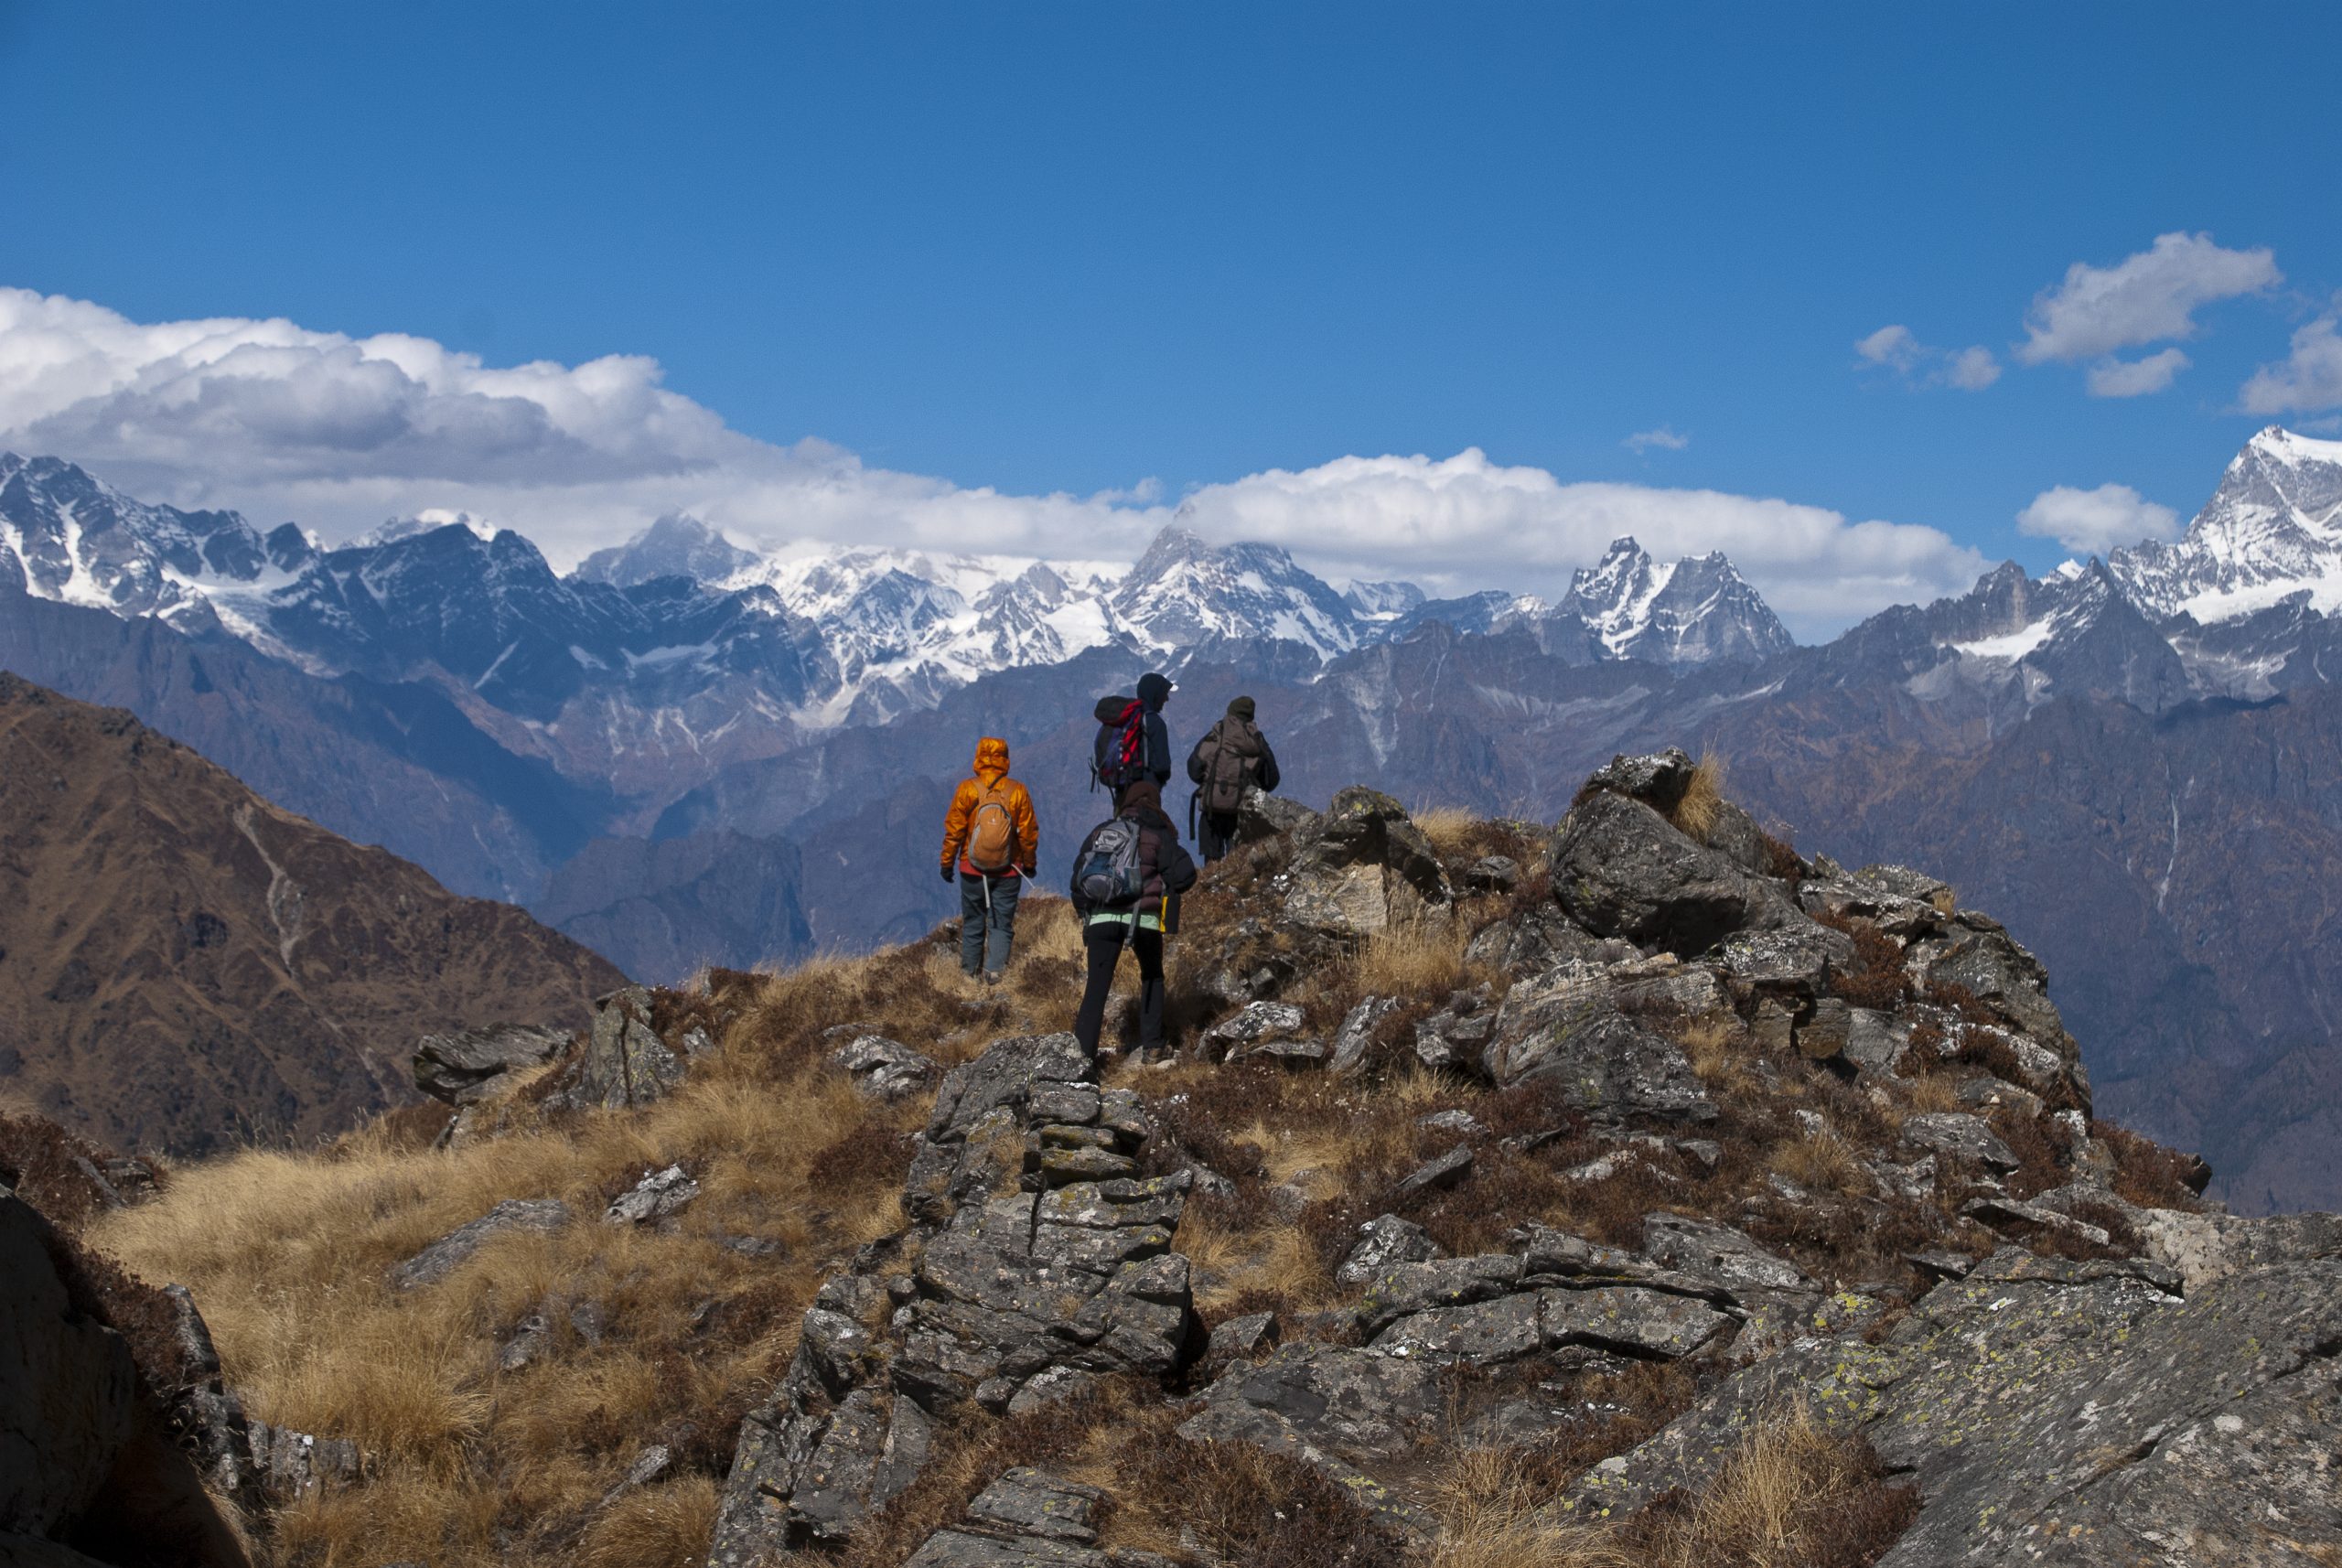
[(1694, 610), (2273, 529), (676, 545)]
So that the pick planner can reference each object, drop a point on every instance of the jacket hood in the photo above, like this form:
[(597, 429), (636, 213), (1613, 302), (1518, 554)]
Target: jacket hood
[(991, 756), (1153, 689), (1143, 794)]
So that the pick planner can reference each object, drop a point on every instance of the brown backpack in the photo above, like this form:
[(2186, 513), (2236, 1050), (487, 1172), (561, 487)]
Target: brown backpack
[(1232, 758), (991, 832)]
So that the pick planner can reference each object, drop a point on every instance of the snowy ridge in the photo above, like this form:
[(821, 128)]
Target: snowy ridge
[(2273, 529)]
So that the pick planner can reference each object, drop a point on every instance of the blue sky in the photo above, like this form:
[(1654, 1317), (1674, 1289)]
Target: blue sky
[(1070, 249)]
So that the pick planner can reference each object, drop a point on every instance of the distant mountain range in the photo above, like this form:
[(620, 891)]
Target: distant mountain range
[(2129, 757)]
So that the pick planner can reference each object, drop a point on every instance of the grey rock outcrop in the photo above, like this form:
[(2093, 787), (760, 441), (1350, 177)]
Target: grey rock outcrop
[(443, 1257), (1569, 1026), (1026, 1274), (2039, 1400), (625, 1064), (1361, 868), (1621, 869), (67, 1388), (473, 1065)]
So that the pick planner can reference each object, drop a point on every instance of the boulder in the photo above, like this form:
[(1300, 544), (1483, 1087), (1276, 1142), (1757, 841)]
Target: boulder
[(68, 1390), (436, 1261), (2208, 1247), (1358, 1031), (475, 1064), (1621, 869), (884, 1068), (625, 1064), (1658, 780), (1492, 874), (1363, 868), (1567, 1026), (1959, 1136), (657, 1195), (1257, 1022), (1382, 1244)]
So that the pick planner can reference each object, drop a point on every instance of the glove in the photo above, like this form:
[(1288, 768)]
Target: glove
[(949, 875)]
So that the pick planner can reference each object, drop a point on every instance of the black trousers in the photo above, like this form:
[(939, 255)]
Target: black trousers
[(1215, 835), (1104, 944)]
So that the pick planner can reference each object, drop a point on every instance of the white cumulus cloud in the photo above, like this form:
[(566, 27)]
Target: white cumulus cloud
[(2145, 297), (1898, 349), (2135, 377), (2309, 378), (338, 432), (2097, 521)]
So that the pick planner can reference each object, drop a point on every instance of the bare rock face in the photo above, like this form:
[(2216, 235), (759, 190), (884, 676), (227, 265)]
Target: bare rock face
[(1569, 1026), (1362, 867), (473, 1064), (1621, 869), (443, 1257), (625, 1064), (67, 1388), (1038, 1262), (2087, 1404)]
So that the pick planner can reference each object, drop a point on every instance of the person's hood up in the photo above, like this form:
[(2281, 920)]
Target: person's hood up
[(1242, 708), (1153, 689), (992, 757), (1146, 793)]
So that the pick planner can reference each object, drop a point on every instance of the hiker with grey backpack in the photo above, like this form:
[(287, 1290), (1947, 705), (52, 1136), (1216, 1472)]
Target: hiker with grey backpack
[(1232, 757), (1127, 878)]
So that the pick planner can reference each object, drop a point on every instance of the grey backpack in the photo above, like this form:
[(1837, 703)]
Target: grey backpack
[(1110, 871)]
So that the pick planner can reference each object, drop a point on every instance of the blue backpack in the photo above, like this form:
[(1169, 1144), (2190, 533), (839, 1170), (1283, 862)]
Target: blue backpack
[(1110, 872)]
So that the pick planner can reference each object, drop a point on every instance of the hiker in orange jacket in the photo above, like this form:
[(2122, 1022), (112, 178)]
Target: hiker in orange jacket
[(991, 844)]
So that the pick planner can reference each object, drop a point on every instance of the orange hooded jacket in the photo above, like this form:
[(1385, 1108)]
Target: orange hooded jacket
[(992, 769)]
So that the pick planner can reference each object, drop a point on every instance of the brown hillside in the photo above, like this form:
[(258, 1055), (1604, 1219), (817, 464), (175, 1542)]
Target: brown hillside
[(184, 965)]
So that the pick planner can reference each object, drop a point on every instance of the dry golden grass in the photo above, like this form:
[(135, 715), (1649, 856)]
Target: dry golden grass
[(1823, 1162), (1416, 958), (1717, 1047), (1932, 1092), (1489, 1505), (1790, 1496), (655, 1527), (289, 1255), (1451, 829), (1696, 813)]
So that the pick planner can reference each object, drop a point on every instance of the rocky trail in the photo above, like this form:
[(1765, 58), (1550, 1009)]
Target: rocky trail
[(1639, 1191)]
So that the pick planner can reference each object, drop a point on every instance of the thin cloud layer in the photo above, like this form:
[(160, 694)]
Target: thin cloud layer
[(2143, 298), (2095, 521), (340, 433)]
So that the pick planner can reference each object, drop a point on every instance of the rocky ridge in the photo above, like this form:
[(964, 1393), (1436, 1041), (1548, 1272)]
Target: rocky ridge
[(1598, 1158)]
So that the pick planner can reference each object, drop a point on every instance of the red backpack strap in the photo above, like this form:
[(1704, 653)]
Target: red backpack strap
[(1133, 731)]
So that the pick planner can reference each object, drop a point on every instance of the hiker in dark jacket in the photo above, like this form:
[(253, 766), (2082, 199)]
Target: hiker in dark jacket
[(1138, 923), (1232, 757), (1149, 748)]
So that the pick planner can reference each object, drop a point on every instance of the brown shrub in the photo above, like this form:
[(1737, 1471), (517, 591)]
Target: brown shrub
[(51, 1169), (1250, 1508), (1875, 979), (1781, 859), (2146, 1173)]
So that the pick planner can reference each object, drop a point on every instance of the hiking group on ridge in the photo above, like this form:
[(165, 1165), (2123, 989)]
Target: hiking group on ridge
[(1130, 870)]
